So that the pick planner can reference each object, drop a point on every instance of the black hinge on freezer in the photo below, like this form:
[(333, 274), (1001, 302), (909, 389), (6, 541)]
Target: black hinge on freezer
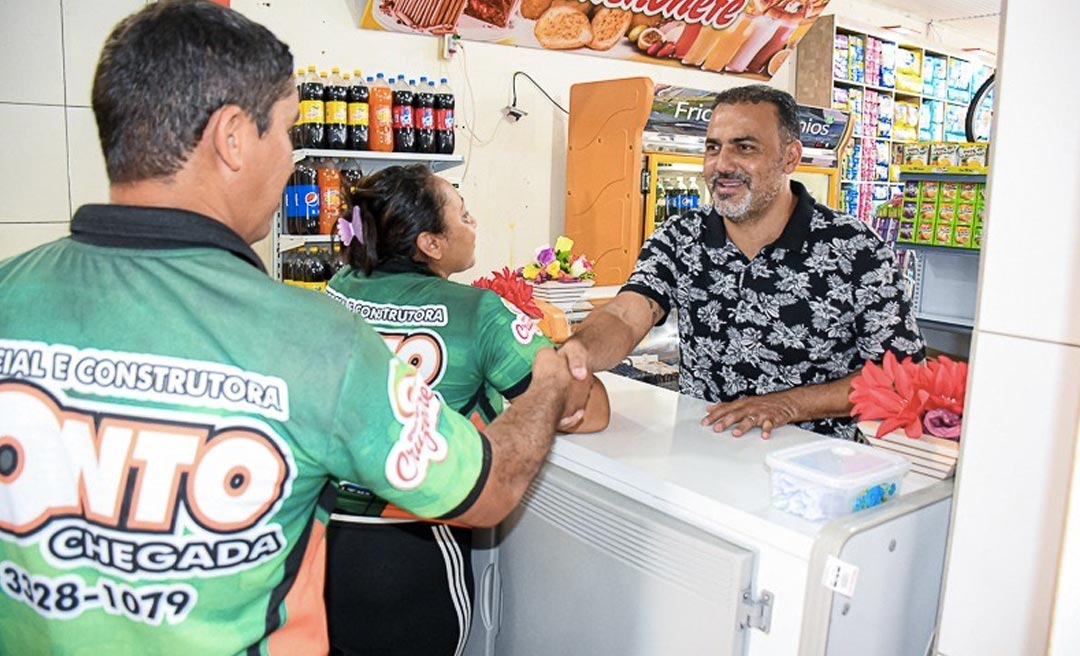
[(755, 613), (645, 181)]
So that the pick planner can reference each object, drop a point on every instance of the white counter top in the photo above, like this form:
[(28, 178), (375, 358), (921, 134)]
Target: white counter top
[(657, 452)]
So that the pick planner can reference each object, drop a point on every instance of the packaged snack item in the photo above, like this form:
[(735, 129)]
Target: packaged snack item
[(943, 234), (928, 190), (972, 154), (925, 232), (927, 211), (911, 190), (968, 192), (965, 214), (944, 154), (980, 213), (962, 236), (917, 153), (976, 236), (907, 232), (946, 213), (910, 210), (949, 191)]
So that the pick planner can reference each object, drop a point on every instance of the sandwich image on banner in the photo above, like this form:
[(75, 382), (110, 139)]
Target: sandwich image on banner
[(750, 38)]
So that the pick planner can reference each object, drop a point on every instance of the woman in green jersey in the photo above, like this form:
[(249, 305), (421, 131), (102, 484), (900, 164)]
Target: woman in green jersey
[(397, 584)]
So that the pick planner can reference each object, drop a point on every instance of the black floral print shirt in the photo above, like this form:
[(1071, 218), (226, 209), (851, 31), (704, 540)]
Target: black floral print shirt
[(810, 308)]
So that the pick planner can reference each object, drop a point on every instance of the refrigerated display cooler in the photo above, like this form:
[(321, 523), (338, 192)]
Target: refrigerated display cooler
[(634, 159)]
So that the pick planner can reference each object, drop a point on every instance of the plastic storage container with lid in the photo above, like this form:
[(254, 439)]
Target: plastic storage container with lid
[(829, 478)]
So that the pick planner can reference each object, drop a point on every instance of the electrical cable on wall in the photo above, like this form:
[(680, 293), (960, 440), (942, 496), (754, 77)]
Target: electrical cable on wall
[(513, 91)]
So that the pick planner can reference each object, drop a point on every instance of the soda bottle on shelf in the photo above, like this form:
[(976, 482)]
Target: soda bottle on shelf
[(350, 180), (337, 114), (424, 105), (660, 211), (404, 132), (330, 198), (444, 118), (294, 132), (338, 259), (302, 201), (380, 102), (692, 195), (318, 269), (358, 113), (674, 199), (312, 112)]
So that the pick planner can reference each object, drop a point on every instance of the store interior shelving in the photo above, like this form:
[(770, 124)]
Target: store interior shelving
[(896, 93), (367, 162)]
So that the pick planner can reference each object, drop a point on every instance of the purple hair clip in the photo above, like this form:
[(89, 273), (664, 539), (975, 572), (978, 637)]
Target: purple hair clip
[(349, 230)]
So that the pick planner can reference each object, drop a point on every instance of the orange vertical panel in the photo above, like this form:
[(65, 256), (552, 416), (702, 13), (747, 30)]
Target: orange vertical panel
[(603, 173)]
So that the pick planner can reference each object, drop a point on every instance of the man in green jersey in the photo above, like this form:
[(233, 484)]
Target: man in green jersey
[(170, 416)]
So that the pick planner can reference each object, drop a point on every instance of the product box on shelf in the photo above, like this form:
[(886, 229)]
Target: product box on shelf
[(929, 191), (829, 478), (906, 232), (944, 154), (962, 236), (841, 58), (908, 70), (973, 154), (917, 153), (976, 236)]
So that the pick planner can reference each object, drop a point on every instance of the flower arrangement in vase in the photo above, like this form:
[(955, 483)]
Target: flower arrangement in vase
[(915, 409), (557, 276)]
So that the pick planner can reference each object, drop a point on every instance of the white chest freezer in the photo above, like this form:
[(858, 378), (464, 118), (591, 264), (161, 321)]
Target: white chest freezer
[(657, 537)]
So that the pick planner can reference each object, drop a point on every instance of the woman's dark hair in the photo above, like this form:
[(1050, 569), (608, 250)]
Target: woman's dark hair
[(167, 68), (396, 205)]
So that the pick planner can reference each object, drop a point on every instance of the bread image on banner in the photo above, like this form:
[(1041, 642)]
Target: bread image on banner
[(608, 27), (563, 28), (533, 9)]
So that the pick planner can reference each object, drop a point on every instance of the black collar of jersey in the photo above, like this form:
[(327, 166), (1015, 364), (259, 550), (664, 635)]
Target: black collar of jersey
[(156, 228), (794, 234)]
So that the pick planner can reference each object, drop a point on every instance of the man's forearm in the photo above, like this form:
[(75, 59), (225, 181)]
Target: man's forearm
[(606, 338), (612, 331), (521, 437), (822, 400)]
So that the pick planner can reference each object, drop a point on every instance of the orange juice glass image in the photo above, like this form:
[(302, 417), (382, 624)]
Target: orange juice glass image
[(723, 43)]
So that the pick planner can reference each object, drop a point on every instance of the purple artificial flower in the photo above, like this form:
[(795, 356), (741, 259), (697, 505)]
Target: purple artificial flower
[(942, 423), (545, 256)]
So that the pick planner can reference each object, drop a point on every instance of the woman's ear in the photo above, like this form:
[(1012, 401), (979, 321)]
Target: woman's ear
[(430, 244)]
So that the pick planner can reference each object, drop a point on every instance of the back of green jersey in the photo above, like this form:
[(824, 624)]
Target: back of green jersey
[(165, 444)]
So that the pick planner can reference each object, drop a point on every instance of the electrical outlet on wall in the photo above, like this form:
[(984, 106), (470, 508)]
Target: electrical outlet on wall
[(448, 45)]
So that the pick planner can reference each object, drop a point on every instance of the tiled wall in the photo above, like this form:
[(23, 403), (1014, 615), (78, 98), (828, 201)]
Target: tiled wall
[(52, 161)]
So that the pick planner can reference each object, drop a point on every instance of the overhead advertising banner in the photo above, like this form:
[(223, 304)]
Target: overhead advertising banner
[(747, 37)]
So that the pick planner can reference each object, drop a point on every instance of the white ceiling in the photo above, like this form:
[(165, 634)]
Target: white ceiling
[(979, 18)]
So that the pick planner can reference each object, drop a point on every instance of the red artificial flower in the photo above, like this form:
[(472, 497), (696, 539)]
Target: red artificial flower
[(513, 288), (901, 393)]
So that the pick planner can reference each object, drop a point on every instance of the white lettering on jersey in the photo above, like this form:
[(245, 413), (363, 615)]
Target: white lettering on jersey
[(393, 315), (524, 327), (417, 408), (136, 491), (146, 377)]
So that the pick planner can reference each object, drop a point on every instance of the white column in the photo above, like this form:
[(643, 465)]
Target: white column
[(1020, 430)]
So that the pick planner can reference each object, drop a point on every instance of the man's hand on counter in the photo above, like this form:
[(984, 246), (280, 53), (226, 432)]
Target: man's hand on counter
[(770, 411)]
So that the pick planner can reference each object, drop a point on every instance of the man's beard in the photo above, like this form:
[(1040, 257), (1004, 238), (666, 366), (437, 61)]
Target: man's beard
[(753, 204)]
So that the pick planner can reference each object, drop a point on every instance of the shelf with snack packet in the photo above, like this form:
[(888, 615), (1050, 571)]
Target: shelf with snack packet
[(897, 95)]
